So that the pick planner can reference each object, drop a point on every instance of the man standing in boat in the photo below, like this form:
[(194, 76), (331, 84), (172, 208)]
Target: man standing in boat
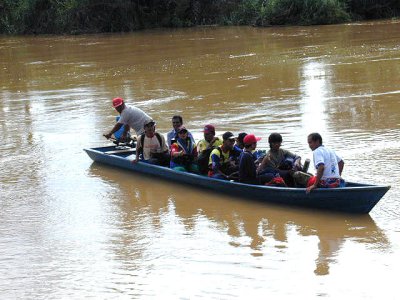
[(329, 166), (131, 117)]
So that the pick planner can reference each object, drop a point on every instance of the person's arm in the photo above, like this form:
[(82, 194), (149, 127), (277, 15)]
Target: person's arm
[(264, 162), (320, 172), (115, 129), (212, 142), (216, 165), (191, 138), (138, 150), (199, 147), (297, 161), (125, 133), (341, 166), (164, 147)]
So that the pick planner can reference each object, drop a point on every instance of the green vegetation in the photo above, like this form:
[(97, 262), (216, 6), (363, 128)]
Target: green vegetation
[(85, 16)]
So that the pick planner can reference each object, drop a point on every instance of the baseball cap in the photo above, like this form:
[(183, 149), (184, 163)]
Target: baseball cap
[(209, 129), (250, 139), (228, 136), (117, 102), (148, 122)]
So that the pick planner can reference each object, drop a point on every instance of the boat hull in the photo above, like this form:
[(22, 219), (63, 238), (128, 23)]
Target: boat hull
[(354, 198)]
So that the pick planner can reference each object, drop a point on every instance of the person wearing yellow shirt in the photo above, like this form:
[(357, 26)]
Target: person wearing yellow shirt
[(205, 146)]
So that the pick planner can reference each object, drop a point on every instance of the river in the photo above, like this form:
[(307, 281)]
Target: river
[(73, 229)]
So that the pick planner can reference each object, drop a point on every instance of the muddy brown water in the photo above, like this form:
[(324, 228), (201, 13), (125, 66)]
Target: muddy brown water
[(73, 229)]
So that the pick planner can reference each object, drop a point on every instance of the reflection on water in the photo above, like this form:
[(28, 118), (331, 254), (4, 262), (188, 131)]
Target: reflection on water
[(80, 230), (258, 226), (315, 86)]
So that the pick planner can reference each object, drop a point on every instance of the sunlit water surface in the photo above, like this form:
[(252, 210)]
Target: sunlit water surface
[(73, 229)]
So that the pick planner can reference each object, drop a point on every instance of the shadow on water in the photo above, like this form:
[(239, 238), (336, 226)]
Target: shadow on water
[(249, 224)]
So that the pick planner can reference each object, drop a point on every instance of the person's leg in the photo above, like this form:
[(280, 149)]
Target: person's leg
[(218, 176), (301, 178), (194, 168), (264, 178), (285, 174), (179, 168)]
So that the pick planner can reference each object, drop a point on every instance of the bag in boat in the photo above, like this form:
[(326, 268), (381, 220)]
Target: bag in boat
[(277, 181)]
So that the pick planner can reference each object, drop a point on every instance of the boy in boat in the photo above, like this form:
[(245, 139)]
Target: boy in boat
[(177, 122), (222, 161), (239, 145), (247, 166), (151, 146), (205, 146), (131, 117), (239, 141), (328, 164), (184, 153), (278, 160)]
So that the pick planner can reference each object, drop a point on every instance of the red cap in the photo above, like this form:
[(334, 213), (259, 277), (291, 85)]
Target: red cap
[(209, 129), (117, 102), (250, 139)]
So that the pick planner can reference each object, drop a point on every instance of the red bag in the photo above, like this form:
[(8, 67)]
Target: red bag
[(277, 181)]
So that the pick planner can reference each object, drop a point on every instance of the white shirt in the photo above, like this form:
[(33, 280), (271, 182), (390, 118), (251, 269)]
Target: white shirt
[(134, 117), (329, 159), (151, 145)]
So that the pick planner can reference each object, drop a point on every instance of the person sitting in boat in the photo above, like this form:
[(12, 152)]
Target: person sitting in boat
[(328, 164), (239, 141), (205, 146), (239, 145), (151, 146), (177, 121), (247, 166), (131, 117), (184, 153), (278, 160), (222, 161)]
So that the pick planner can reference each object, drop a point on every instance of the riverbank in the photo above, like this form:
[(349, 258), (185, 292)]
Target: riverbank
[(90, 16)]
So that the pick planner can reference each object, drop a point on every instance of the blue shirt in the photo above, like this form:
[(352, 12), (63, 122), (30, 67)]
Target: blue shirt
[(173, 134)]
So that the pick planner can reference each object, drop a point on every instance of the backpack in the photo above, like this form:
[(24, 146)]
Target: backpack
[(142, 141), (161, 158)]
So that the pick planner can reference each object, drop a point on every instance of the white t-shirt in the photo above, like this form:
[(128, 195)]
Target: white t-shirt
[(329, 159), (134, 117), (151, 145)]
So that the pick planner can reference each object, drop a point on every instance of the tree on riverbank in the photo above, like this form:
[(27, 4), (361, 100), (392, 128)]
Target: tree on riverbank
[(85, 16)]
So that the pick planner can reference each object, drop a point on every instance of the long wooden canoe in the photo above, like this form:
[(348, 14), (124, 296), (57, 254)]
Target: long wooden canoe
[(357, 198)]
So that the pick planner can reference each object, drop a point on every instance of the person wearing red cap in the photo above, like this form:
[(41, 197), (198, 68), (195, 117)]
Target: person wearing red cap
[(247, 166), (131, 117), (205, 146)]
